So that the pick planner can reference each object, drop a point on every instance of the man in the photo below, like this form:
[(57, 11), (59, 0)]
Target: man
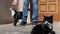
[(25, 11)]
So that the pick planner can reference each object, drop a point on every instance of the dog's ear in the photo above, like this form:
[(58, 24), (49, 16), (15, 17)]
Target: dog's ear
[(11, 8)]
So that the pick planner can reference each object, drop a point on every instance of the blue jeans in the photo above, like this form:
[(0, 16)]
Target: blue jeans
[(35, 10)]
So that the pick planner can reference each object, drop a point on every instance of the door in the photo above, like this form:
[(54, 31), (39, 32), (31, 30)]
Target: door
[(48, 7)]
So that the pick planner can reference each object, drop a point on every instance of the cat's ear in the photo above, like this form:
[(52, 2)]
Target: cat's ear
[(51, 15), (44, 16)]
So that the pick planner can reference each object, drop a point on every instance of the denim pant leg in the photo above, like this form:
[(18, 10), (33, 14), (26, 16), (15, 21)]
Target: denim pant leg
[(25, 10), (35, 10)]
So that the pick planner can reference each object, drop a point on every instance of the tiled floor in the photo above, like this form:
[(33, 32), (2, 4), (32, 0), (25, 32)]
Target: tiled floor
[(56, 27), (10, 29)]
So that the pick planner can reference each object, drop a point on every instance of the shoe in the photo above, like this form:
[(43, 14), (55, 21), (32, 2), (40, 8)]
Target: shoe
[(34, 23), (23, 23)]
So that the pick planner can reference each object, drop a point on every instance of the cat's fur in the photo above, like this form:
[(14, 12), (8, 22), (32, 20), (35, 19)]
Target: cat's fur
[(45, 28)]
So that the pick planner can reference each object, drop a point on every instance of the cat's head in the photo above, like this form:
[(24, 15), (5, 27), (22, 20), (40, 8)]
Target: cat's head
[(48, 18), (48, 21)]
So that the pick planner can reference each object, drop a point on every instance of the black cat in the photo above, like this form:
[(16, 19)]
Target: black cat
[(16, 15), (45, 28)]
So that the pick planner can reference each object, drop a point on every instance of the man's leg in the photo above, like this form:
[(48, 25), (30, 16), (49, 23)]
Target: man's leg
[(25, 12), (35, 11)]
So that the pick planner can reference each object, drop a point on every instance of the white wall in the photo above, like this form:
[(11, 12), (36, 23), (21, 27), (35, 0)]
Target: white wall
[(20, 5)]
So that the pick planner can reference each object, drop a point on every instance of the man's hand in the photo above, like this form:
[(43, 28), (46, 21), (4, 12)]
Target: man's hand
[(14, 2)]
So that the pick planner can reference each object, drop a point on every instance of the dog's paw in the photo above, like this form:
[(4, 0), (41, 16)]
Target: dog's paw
[(14, 25), (52, 32)]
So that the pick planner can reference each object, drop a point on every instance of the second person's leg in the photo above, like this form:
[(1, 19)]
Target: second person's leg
[(25, 12), (35, 11)]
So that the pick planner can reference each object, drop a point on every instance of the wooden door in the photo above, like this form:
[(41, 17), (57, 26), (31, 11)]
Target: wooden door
[(48, 7)]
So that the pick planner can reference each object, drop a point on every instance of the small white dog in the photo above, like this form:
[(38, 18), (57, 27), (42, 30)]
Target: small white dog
[(16, 15)]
